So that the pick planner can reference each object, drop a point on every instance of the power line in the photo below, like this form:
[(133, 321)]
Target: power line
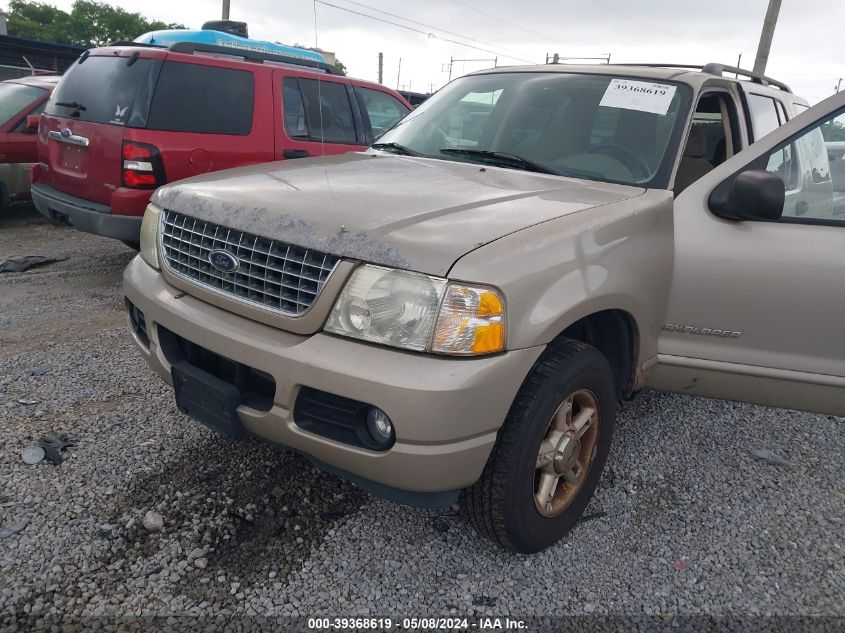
[(427, 34), (643, 22), (505, 21), (428, 26)]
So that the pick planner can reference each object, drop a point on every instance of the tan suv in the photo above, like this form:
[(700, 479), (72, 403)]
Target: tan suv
[(459, 310)]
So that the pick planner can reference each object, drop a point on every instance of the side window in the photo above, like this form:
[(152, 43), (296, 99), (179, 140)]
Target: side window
[(764, 115), (202, 99), (296, 125), (815, 186), (318, 110), (382, 109), (713, 138)]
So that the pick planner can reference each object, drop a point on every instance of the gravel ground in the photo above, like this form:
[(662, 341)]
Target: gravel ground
[(686, 520)]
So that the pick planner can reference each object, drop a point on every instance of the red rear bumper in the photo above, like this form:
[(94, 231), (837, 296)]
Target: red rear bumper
[(124, 201)]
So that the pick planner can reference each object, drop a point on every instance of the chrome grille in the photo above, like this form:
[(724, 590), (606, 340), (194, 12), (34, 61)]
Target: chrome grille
[(272, 274)]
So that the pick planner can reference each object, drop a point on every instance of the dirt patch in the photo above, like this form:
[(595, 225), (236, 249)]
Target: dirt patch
[(253, 509)]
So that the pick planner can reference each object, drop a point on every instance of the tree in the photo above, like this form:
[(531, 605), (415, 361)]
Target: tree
[(340, 66), (833, 131), (88, 24), (37, 21)]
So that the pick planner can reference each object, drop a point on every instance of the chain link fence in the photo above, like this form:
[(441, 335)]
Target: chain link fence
[(16, 72)]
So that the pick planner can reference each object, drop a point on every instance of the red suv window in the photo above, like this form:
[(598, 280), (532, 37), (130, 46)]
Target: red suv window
[(304, 118), (184, 93)]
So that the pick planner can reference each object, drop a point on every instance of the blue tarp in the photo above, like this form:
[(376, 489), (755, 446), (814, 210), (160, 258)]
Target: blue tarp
[(219, 38)]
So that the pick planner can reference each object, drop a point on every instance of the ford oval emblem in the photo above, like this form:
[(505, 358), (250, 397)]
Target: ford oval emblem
[(223, 261)]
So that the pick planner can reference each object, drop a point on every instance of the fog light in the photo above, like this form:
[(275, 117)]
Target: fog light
[(379, 426), (139, 324)]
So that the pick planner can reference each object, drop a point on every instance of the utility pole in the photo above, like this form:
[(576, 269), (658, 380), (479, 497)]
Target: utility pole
[(398, 73), (838, 85), (381, 68), (766, 35), (225, 9)]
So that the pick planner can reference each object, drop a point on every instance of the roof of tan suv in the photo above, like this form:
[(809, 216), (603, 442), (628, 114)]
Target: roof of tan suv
[(694, 76)]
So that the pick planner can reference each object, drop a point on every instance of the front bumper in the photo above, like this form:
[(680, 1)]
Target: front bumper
[(85, 215), (446, 411)]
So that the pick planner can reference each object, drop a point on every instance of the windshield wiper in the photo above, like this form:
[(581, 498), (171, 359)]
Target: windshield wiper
[(71, 104), (396, 148), (500, 159)]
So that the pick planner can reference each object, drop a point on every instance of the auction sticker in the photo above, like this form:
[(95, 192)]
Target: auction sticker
[(638, 95)]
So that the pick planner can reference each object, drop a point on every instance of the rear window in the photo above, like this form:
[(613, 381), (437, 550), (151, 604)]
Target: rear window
[(202, 99), (15, 97), (101, 89)]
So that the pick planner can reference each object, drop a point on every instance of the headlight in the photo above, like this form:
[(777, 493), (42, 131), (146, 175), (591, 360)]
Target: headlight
[(149, 235), (388, 306), (471, 321), (419, 312)]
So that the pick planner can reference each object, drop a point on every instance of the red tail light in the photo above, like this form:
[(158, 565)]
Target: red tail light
[(142, 166)]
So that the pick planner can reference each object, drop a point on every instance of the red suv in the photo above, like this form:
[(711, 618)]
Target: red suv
[(126, 119)]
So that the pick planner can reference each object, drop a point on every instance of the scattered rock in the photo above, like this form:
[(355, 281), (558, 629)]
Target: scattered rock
[(767, 456), (32, 455), (201, 563), (12, 528), (38, 371), (679, 565), (153, 521)]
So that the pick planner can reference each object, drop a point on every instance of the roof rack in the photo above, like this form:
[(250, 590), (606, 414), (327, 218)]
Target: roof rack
[(719, 69), (250, 55)]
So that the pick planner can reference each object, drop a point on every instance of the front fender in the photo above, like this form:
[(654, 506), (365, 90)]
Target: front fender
[(618, 256)]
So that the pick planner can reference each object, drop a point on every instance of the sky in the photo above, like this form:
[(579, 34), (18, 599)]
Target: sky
[(807, 52)]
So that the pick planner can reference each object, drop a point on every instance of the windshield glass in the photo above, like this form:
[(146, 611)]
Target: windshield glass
[(597, 127), (15, 97)]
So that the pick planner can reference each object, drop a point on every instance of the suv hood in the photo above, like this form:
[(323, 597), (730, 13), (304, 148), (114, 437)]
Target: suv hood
[(415, 213)]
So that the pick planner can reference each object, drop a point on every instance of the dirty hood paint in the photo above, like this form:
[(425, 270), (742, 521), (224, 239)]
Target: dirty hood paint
[(414, 213)]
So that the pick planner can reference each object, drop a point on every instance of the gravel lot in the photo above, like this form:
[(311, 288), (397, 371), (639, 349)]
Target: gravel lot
[(686, 520)]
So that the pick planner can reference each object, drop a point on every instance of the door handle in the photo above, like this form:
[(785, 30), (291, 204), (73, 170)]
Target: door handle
[(296, 153), (66, 137)]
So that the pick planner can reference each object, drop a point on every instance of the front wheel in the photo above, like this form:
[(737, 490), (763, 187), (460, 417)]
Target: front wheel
[(550, 451)]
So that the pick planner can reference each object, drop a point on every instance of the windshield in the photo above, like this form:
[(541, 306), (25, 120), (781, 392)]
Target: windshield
[(597, 127), (15, 97)]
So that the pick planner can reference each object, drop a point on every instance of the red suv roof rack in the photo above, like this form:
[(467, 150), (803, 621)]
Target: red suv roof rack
[(248, 55)]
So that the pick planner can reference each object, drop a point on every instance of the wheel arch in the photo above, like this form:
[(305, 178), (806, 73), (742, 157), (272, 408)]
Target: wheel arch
[(615, 334)]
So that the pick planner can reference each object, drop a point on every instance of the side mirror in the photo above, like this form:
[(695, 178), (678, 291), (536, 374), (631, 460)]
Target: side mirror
[(753, 194), (32, 121)]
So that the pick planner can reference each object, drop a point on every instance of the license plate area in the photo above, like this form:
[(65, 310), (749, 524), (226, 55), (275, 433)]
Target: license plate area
[(207, 399)]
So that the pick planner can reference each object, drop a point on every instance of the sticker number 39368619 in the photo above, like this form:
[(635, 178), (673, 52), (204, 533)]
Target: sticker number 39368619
[(638, 95)]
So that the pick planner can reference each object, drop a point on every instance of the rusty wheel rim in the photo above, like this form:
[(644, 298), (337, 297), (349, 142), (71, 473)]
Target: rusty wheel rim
[(566, 453)]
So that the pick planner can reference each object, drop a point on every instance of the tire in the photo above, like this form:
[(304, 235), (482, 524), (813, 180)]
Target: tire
[(503, 504)]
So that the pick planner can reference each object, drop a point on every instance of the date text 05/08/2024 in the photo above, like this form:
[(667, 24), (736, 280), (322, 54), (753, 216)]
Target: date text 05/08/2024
[(416, 624)]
